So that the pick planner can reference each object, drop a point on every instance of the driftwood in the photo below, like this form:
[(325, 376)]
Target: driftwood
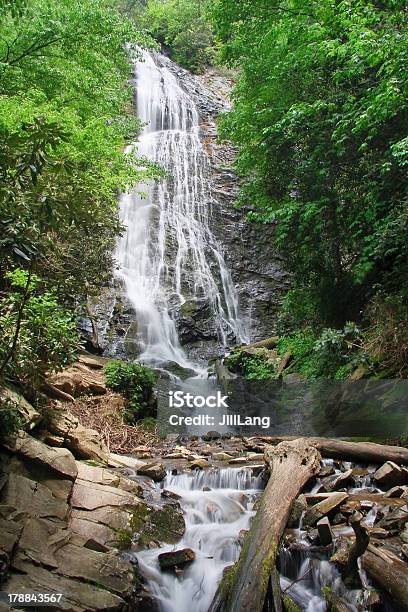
[(346, 558), (254, 579), (389, 572), (366, 452)]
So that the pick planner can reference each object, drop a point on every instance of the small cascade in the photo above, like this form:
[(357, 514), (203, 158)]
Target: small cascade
[(168, 254), (217, 506)]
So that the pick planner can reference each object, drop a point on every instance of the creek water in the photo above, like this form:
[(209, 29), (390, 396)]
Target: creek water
[(217, 506), (168, 254)]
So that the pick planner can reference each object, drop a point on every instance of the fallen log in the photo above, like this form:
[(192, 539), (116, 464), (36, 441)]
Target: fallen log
[(335, 448), (267, 343), (246, 585), (368, 452), (389, 572)]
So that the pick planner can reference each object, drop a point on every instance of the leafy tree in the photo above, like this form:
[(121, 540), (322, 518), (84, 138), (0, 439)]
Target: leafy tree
[(320, 119), (65, 117), (182, 27)]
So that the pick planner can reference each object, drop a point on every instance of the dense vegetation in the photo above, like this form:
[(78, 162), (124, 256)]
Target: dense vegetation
[(320, 118), (136, 383), (65, 115), (183, 30)]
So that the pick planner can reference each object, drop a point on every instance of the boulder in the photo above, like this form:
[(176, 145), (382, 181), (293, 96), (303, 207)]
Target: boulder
[(341, 481), (90, 495), (325, 532), (92, 362), (33, 499), (119, 461), (159, 525), (390, 475), (324, 507), (78, 380), (155, 471), (58, 460), (30, 415), (176, 558), (77, 596), (211, 435), (221, 456), (83, 442), (199, 464), (102, 476)]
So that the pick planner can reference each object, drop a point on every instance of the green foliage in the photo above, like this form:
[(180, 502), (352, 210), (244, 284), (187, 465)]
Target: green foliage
[(250, 366), (135, 382), (65, 116), (332, 354), (47, 338), (182, 26), (320, 120), (10, 418), (386, 338)]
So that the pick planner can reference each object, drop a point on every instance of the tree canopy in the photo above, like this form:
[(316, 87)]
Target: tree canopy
[(320, 118)]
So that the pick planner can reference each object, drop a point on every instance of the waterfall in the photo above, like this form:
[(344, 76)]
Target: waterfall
[(168, 254)]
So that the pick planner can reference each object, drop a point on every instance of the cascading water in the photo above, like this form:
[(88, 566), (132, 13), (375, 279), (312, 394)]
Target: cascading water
[(169, 253), (217, 505)]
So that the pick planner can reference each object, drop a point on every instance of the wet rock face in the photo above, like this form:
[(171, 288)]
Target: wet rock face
[(256, 266)]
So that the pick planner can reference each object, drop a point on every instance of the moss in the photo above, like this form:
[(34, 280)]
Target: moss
[(289, 605), (188, 309), (162, 525), (123, 538)]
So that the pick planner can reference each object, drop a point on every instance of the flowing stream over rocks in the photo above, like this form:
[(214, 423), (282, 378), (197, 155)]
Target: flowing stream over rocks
[(217, 506), (169, 258)]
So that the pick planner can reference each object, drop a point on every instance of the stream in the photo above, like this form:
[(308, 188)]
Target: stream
[(217, 506)]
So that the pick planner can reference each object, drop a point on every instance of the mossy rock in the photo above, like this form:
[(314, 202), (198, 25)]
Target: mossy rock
[(162, 525), (188, 309)]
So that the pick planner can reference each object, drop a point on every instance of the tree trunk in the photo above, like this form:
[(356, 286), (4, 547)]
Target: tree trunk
[(389, 572), (267, 343), (367, 452), (245, 586)]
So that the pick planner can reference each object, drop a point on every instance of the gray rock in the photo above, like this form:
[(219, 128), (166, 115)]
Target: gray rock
[(30, 415), (325, 532), (176, 558), (390, 475), (83, 442), (155, 471), (57, 460), (324, 507)]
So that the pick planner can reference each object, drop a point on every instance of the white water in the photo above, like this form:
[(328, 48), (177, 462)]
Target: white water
[(169, 254), (214, 520)]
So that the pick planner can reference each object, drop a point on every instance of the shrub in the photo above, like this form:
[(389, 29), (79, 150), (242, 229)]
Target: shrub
[(10, 418), (386, 340), (37, 335), (135, 382), (250, 366)]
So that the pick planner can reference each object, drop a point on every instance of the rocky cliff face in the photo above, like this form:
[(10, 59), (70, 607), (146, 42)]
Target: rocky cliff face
[(255, 264)]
